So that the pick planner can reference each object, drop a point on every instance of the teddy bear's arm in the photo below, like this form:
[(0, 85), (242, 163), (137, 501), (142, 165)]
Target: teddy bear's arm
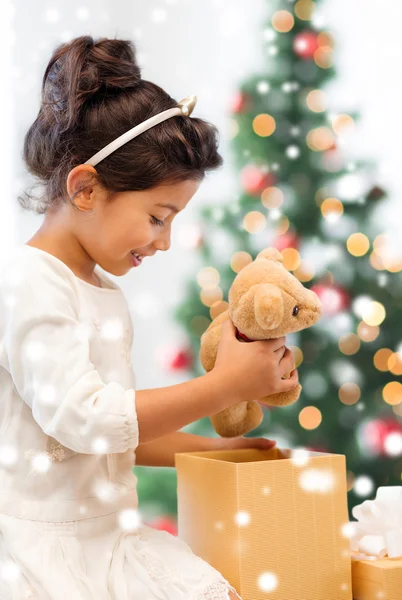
[(241, 417), (237, 419), (210, 341)]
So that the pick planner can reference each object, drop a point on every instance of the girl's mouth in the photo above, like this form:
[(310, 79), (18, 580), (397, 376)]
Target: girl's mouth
[(136, 259)]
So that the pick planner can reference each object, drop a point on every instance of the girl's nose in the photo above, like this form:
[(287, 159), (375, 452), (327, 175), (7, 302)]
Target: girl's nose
[(163, 241)]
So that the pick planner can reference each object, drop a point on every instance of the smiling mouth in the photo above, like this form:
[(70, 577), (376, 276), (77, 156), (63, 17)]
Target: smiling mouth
[(136, 258)]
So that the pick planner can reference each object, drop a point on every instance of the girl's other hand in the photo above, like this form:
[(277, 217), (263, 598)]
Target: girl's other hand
[(242, 442)]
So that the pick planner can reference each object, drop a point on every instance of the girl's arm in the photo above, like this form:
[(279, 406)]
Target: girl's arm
[(41, 348), (165, 410), (160, 452)]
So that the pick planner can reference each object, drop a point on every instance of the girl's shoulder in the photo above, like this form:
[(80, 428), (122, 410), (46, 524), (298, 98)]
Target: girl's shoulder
[(27, 271), (31, 262), (32, 269)]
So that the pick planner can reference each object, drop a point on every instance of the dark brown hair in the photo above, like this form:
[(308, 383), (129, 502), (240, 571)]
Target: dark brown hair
[(92, 92)]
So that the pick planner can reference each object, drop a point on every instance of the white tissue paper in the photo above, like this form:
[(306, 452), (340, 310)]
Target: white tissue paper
[(378, 530)]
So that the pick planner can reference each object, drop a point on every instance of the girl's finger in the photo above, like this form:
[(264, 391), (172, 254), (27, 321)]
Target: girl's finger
[(260, 442)]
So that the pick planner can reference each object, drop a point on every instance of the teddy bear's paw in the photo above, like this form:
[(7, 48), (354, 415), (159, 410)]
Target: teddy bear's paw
[(283, 398), (237, 419)]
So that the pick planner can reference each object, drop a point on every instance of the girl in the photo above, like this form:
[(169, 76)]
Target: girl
[(72, 425)]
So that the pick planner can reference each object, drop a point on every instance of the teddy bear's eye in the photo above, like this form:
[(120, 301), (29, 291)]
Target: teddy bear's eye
[(295, 311)]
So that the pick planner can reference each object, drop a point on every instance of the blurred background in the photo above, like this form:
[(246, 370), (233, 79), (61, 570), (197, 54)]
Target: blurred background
[(306, 96)]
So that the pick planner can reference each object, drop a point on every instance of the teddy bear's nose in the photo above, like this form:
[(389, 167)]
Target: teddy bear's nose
[(316, 302), (315, 306)]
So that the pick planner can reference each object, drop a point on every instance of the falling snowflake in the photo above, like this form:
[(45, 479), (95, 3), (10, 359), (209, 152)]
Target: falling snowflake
[(113, 330)]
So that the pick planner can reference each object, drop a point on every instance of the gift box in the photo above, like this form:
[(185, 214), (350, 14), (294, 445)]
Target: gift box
[(377, 579), (376, 546), (271, 521)]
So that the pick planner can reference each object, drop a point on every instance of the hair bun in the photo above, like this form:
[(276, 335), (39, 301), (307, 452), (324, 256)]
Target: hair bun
[(82, 69)]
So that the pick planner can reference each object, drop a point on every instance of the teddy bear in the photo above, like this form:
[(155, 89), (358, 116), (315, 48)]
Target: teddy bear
[(265, 301)]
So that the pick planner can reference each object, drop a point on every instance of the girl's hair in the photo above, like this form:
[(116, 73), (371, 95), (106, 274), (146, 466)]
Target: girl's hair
[(92, 92)]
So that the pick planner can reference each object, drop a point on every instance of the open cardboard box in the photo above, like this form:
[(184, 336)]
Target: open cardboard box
[(268, 520)]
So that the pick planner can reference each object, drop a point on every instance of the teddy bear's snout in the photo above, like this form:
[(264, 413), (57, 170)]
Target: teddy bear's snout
[(313, 309), (313, 315)]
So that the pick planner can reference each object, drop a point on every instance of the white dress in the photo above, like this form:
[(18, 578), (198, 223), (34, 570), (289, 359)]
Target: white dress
[(68, 434)]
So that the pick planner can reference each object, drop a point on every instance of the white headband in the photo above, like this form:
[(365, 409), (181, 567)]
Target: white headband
[(184, 107)]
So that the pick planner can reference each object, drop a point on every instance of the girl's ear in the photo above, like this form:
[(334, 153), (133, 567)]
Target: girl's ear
[(268, 306), (264, 303)]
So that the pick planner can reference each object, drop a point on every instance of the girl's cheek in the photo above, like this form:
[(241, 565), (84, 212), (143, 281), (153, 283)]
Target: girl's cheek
[(143, 237)]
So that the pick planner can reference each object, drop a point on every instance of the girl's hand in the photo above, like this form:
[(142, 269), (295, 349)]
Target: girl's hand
[(242, 442), (253, 370)]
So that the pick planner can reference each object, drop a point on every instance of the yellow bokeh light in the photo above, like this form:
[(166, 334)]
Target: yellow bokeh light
[(384, 256), (349, 393), (310, 417), (342, 122), (282, 226), (282, 21), (208, 278), (381, 358), (210, 296), (291, 259), (316, 100), (297, 355), (254, 222), (305, 272), (320, 139), (217, 308), (349, 344), (392, 393), (264, 125), (272, 197), (374, 313), (376, 261), (395, 363), (330, 207), (367, 333), (393, 264), (304, 9), (324, 57), (358, 244), (240, 260), (383, 251), (325, 39), (381, 241)]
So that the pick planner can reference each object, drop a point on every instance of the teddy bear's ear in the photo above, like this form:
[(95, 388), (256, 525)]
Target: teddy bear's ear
[(270, 254)]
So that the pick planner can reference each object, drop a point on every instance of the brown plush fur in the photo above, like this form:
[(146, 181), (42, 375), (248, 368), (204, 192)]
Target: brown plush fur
[(262, 299)]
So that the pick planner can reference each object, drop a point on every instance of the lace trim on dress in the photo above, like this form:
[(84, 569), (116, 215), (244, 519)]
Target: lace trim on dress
[(218, 590), (56, 453), (157, 570)]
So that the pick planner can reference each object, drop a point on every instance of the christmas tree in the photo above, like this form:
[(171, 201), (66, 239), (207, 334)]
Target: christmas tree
[(299, 192)]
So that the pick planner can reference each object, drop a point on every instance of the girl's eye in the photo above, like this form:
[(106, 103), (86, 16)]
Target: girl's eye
[(156, 221)]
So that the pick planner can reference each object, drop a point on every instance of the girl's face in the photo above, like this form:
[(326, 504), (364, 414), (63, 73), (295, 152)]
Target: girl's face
[(139, 221)]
